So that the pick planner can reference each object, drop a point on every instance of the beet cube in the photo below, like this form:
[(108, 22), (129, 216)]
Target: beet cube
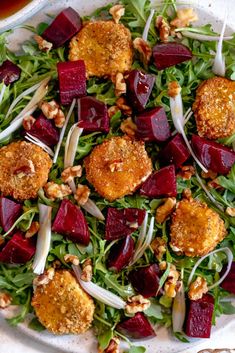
[(161, 183), (213, 155), (152, 125), (139, 88), (199, 317), (70, 221), (92, 115), (150, 275), (121, 254), (9, 212), (18, 249), (120, 223), (175, 152), (9, 72), (136, 327), (45, 131), (63, 28), (229, 282), (72, 80), (169, 54)]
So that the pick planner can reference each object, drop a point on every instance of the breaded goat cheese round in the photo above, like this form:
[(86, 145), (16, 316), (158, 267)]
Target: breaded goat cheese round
[(62, 306), (117, 167), (214, 108), (24, 169), (195, 229), (105, 46)]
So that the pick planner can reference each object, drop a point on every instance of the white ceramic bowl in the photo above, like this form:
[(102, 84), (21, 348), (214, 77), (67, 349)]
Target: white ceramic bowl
[(20, 16)]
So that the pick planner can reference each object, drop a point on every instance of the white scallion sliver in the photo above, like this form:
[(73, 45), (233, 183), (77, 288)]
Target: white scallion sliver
[(179, 310), (147, 25), (219, 61), (148, 239), (94, 210), (43, 239), (39, 143), (71, 145), (2, 92), (62, 132), (203, 37), (98, 292), (141, 238), (229, 254)]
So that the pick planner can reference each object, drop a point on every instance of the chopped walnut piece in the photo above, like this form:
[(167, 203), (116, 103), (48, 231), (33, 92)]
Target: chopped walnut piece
[(28, 122), (70, 173), (5, 300), (184, 17), (52, 110), (186, 172), (208, 175), (117, 11), (123, 106), (159, 247), (165, 209), (230, 211), (187, 194), (82, 194), (73, 259), (43, 44), (197, 288), (33, 229), (171, 285), (128, 127), (113, 346), (24, 167), (44, 278), (173, 89), (136, 304), (214, 184), (144, 49), (86, 275), (120, 85), (163, 27), (59, 119), (112, 111), (55, 191)]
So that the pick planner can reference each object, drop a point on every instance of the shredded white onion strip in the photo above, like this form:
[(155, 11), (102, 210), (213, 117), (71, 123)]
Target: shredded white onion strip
[(203, 37), (219, 61), (187, 116), (176, 106), (62, 132), (2, 92), (229, 254), (71, 145), (98, 292), (147, 25), (43, 239), (39, 143), (179, 310), (94, 210), (37, 97)]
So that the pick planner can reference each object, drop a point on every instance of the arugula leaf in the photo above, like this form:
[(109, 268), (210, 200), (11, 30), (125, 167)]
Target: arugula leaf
[(135, 349), (105, 338), (35, 325), (181, 337), (25, 308), (227, 308), (154, 311), (229, 181)]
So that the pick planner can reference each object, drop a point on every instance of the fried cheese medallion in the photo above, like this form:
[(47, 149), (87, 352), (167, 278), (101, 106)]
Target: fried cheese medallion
[(214, 108), (117, 167), (24, 169), (105, 46), (62, 306), (195, 229)]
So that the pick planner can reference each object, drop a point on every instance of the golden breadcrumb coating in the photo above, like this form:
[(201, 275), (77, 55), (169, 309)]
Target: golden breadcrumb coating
[(117, 167), (24, 169), (214, 108), (105, 46), (195, 229), (62, 306)]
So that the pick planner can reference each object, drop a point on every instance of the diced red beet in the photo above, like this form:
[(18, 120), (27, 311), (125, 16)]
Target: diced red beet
[(45, 131), (161, 183), (63, 27), (136, 327), (9, 72), (71, 222), (139, 88), (120, 223), (229, 282), (169, 54), (175, 152), (18, 249), (150, 275), (92, 115), (199, 317), (9, 212), (152, 125), (121, 254), (213, 155), (72, 80)]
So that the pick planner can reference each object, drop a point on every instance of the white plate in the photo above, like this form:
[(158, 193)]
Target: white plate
[(209, 12)]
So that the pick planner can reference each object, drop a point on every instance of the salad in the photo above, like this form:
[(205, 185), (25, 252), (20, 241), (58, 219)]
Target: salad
[(117, 206)]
